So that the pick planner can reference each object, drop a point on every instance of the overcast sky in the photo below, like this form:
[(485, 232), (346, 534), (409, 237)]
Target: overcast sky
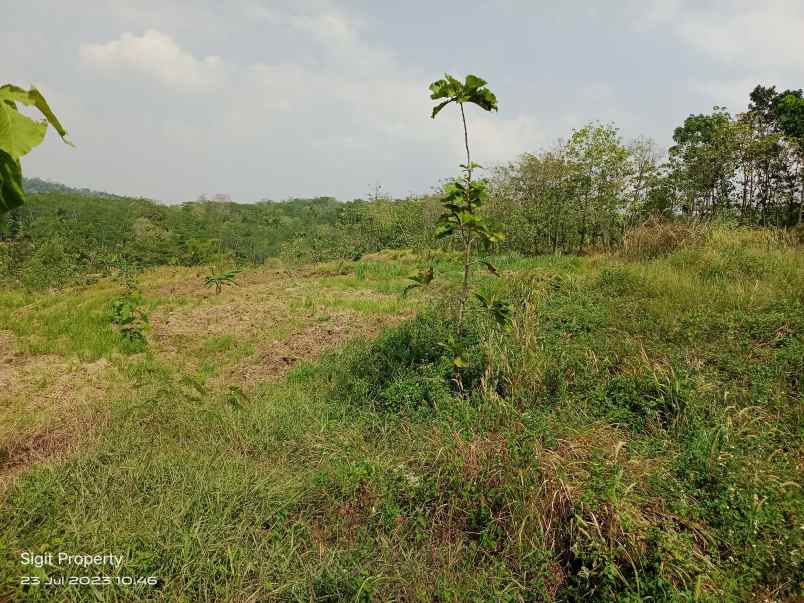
[(170, 99)]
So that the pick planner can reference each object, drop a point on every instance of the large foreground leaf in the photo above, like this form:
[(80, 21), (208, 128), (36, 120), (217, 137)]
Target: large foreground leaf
[(33, 98), (19, 133), (11, 193)]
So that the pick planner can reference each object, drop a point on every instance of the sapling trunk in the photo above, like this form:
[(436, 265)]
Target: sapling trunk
[(465, 236)]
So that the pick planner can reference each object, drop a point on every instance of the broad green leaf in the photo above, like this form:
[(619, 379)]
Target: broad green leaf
[(473, 82), (485, 99), (444, 88), (444, 230), (469, 219), (438, 108), (11, 193), (482, 299), (460, 362), (19, 133), (454, 186), (33, 98)]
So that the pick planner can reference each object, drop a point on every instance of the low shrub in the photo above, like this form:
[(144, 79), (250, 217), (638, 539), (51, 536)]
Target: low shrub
[(416, 363), (50, 267)]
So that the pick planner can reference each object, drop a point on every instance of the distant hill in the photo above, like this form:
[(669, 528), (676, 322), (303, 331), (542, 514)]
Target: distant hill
[(37, 185)]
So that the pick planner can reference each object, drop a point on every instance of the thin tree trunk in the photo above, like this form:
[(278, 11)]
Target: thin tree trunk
[(801, 192), (466, 143), (465, 237)]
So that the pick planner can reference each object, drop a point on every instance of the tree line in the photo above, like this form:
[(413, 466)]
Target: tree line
[(586, 190), (583, 192)]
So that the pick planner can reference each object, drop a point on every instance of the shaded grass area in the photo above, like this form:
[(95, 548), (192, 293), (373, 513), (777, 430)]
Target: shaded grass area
[(636, 435)]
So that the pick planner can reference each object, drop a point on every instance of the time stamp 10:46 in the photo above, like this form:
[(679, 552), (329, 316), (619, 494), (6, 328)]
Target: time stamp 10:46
[(89, 581)]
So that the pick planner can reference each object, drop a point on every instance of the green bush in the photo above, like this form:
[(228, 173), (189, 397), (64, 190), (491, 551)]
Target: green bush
[(422, 386), (413, 364), (50, 266)]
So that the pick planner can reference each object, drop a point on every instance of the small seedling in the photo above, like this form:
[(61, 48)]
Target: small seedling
[(236, 397), (130, 318), (127, 311), (220, 280)]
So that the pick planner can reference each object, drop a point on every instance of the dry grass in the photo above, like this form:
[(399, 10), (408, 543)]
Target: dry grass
[(656, 237), (48, 405), (252, 333), (272, 318), (305, 343)]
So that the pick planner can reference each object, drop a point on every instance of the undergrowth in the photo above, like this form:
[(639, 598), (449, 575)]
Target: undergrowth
[(635, 435)]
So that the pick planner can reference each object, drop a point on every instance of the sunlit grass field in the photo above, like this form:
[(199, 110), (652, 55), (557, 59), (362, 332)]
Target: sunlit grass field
[(636, 434)]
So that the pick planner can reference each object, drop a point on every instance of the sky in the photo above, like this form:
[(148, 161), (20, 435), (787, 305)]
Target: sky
[(172, 99)]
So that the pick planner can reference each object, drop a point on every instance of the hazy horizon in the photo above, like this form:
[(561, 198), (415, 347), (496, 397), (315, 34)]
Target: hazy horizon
[(322, 98)]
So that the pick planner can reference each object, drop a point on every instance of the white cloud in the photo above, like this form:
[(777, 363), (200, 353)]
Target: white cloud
[(339, 110), (765, 35), (495, 139), (328, 28), (727, 47), (154, 55)]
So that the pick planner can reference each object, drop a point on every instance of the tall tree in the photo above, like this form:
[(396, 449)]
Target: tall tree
[(600, 170), (788, 109)]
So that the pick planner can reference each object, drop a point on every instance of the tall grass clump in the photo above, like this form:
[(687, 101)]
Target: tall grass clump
[(658, 237)]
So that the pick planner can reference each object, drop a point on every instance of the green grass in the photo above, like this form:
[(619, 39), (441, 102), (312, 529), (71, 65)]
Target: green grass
[(636, 435), (63, 323)]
